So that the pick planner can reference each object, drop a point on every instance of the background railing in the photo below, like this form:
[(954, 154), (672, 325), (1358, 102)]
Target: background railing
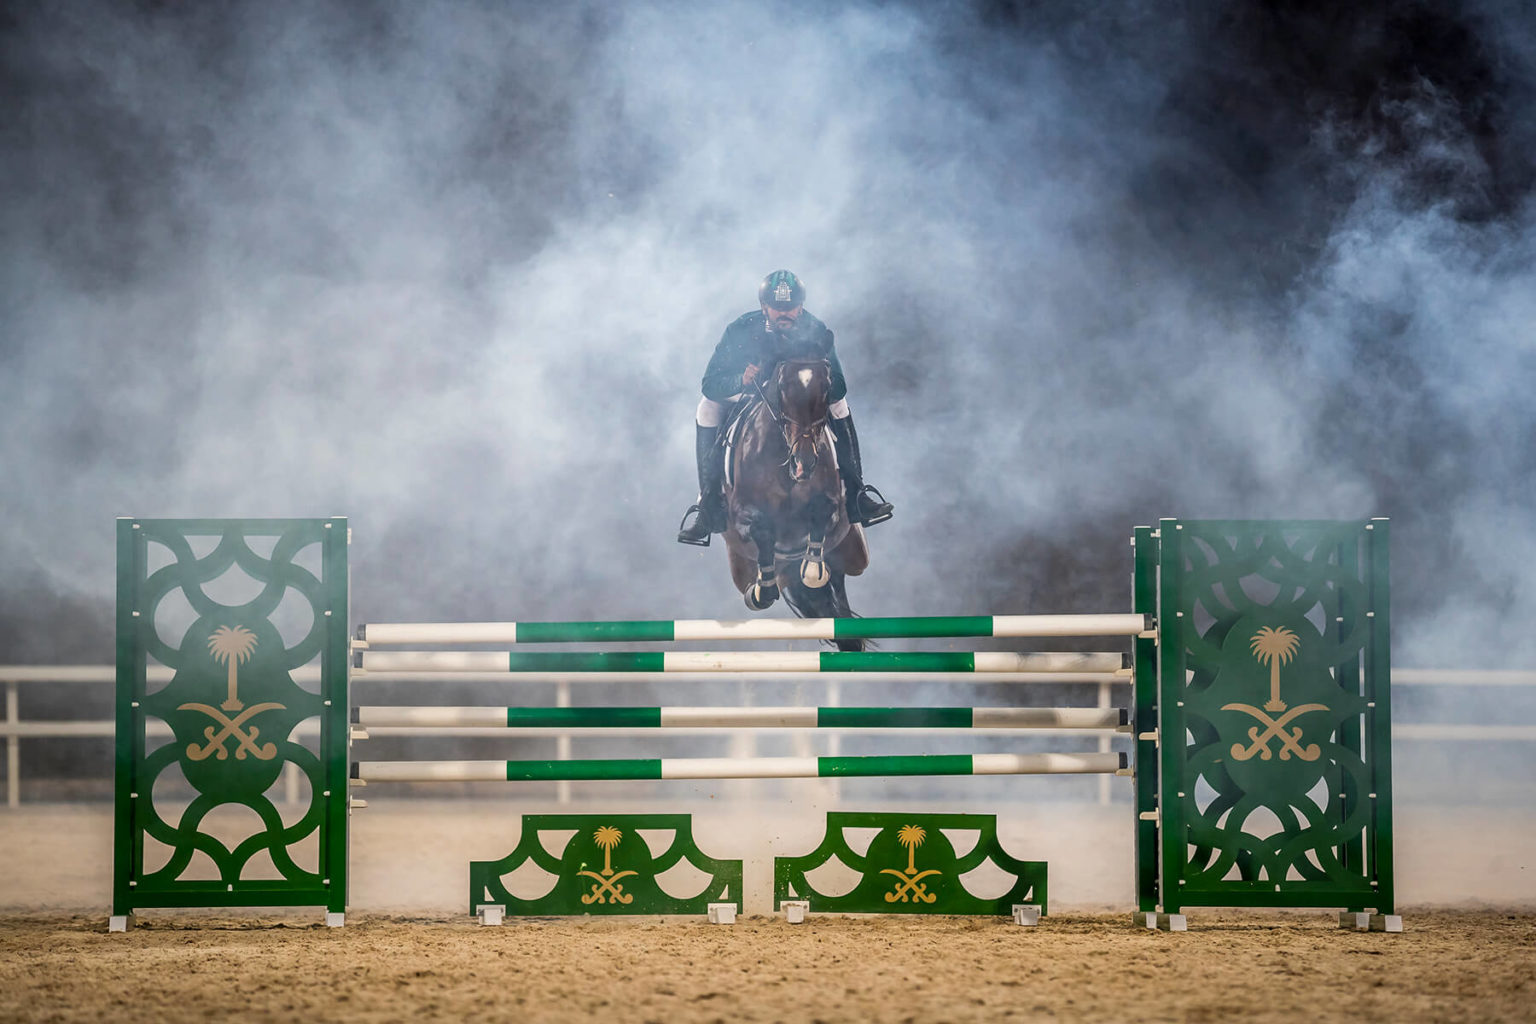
[(1409, 683)]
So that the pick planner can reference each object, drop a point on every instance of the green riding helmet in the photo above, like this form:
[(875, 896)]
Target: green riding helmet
[(781, 290)]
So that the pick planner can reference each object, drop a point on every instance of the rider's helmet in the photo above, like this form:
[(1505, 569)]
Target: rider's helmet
[(781, 290)]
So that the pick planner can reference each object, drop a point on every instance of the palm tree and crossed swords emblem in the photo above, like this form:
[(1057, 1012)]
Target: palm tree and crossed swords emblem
[(606, 882), (232, 646), (1275, 647), (606, 885), (909, 883)]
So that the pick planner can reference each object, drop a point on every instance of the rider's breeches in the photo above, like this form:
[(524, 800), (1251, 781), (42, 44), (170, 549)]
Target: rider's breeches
[(712, 413)]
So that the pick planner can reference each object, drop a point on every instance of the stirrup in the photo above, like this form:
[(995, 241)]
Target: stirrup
[(882, 511), (687, 536)]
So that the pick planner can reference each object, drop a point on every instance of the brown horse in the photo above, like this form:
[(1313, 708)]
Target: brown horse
[(787, 529)]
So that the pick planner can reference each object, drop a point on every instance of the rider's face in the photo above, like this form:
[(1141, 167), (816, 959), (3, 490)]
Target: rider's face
[(781, 319)]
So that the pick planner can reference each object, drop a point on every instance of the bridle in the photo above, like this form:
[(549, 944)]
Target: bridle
[(796, 436)]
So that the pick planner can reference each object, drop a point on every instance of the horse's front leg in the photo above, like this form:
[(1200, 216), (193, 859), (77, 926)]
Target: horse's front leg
[(813, 567), (765, 591)]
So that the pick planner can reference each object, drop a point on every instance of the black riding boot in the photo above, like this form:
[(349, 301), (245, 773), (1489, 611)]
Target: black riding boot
[(865, 504), (709, 513)]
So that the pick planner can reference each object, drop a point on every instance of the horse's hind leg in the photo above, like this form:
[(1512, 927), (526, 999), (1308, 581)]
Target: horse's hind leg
[(813, 567), (843, 610), (765, 591), (828, 602)]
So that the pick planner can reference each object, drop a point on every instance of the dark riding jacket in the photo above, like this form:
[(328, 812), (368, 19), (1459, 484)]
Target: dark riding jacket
[(748, 340)]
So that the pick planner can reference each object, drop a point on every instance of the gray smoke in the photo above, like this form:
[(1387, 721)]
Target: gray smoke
[(454, 270)]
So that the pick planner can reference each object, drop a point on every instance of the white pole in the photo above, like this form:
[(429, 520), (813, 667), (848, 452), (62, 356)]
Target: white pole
[(1104, 792), (563, 744), (12, 748)]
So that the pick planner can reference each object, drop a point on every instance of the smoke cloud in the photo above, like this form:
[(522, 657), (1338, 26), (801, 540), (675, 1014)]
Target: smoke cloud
[(454, 270)]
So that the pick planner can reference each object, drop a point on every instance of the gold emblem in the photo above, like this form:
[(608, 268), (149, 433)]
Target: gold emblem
[(233, 647), (909, 883), (1290, 740), (1275, 647), (606, 883), (246, 740)]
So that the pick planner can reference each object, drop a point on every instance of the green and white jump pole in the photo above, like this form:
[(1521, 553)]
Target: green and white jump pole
[(740, 718), (738, 768), (983, 662), (639, 631)]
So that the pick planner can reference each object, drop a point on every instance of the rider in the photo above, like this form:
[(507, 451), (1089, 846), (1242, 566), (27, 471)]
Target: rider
[(747, 353)]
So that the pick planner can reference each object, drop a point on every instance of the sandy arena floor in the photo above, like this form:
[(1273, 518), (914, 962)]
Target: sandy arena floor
[(1449, 966), (410, 951)]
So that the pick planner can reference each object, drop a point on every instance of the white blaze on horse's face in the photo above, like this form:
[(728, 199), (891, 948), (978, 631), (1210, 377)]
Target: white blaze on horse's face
[(802, 389)]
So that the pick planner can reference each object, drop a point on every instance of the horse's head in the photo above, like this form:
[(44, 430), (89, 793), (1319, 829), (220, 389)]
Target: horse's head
[(803, 385)]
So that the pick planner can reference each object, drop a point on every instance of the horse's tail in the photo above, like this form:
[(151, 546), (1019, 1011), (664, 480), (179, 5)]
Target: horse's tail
[(828, 602)]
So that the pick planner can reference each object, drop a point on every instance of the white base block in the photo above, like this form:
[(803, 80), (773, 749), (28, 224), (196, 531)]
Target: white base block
[(1167, 922), (119, 922), (795, 911), (1026, 914), (722, 913), (492, 914), (333, 920), (1363, 922)]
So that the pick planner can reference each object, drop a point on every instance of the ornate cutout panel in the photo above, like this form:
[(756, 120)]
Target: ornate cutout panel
[(1272, 717), (247, 619)]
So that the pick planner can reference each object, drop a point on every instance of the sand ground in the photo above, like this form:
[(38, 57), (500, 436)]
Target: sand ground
[(1449, 966), (1466, 879)]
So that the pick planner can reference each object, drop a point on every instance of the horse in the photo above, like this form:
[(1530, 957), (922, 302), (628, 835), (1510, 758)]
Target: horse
[(787, 529)]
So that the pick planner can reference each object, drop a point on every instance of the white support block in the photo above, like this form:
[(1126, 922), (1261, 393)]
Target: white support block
[(1166, 922), (1026, 914), (119, 922), (1366, 922), (722, 913), (795, 911), (492, 913), (333, 920)]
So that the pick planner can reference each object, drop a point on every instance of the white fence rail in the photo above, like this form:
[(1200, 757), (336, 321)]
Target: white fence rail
[(14, 728)]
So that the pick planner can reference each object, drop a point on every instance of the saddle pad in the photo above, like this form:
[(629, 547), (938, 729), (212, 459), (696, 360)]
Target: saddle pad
[(732, 431)]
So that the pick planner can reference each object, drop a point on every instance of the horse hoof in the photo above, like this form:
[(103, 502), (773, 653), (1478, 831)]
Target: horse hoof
[(760, 597), (815, 575)]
